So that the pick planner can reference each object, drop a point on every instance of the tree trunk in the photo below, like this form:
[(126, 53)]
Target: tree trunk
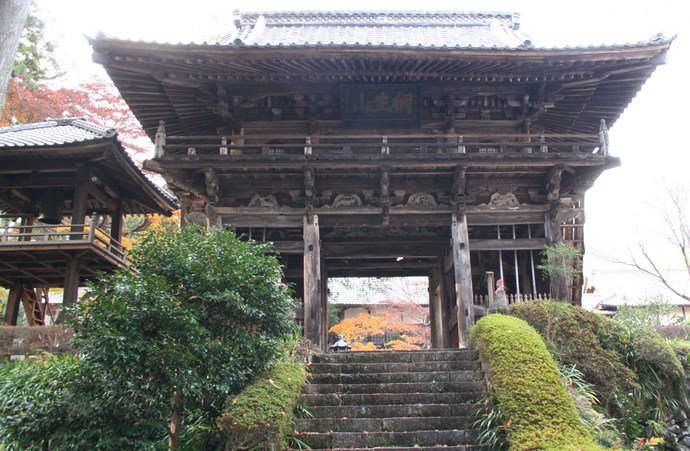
[(176, 420), (12, 16)]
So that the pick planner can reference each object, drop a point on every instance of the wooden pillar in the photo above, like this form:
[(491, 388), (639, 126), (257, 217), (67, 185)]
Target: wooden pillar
[(324, 301), (447, 300), (116, 223), (313, 320), (13, 301), (81, 195), (463, 277), (438, 328)]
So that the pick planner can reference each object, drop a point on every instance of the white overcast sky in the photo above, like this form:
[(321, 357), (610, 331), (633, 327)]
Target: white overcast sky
[(650, 137)]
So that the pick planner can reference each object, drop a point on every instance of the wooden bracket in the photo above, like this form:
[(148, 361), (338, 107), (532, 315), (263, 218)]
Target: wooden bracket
[(212, 185), (385, 195)]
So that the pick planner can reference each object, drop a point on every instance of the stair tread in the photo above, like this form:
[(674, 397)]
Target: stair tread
[(347, 399), (401, 400)]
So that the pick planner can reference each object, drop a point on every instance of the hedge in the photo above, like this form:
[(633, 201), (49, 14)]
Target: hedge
[(524, 379), (261, 415)]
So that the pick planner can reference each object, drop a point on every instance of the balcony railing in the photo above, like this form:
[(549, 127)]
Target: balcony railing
[(370, 144), (35, 235)]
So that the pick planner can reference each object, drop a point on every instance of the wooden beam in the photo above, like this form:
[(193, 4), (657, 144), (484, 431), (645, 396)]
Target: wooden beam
[(12, 309), (519, 244), (79, 201), (313, 321), (463, 277), (378, 250)]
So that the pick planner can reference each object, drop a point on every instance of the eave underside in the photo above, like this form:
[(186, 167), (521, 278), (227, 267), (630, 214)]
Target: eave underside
[(198, 91)]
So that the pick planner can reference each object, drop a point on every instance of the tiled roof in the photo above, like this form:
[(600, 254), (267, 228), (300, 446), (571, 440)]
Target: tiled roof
[(445, 29), (53, 132), (71, 132)]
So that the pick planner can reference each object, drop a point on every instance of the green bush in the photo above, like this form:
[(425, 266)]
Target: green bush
[(34, 399), (163, 348), (635, 372), (572, 335), (261, 415), (524, 379)]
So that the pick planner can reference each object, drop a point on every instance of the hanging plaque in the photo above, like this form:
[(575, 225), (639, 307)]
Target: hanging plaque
[(381, 105)]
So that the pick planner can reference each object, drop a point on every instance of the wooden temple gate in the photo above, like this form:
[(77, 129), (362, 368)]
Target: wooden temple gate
[(436, 144), (396, 205)]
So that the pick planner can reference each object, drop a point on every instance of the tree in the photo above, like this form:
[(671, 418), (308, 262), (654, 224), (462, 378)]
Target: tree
[(12, 16), (560, 263), (97, 100), (162, 349), (399, 321), (674, 212), (34, 61)]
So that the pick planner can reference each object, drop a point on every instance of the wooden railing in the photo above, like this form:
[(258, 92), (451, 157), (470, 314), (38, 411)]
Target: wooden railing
[(73, 233), (27, 340), (370, 144), (483, 299)]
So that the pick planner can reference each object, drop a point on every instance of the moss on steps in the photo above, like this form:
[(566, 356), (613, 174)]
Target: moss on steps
[(524, 379), (261, 415)]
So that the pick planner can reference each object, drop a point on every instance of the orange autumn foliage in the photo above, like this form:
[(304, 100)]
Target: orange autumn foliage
[(360, 329), (97, 100)]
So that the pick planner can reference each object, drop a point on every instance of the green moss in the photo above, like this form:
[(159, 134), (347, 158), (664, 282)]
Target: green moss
[(524, 379), (261, 415), (573, 336)]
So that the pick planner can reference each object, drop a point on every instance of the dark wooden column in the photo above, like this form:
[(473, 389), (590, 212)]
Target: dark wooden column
[(324, 301), (463, 276), (436, 309), (116, 223), (81, 194), (13, 301), (313, 320)]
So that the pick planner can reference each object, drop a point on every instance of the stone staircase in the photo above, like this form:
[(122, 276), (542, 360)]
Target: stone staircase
[(403, 400)]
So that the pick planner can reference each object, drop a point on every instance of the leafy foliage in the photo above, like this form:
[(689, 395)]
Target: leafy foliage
[(34, 61), (97, 100), (655, 311), (560, 263), (587, 404), (34, 398), (572, 335), (166, 346), (524, 379), (634, 370), (388, 320), (261, 415)]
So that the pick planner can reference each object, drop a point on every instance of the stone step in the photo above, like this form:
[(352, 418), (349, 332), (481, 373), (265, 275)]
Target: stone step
[(333, 440), (413, 448), (395, 356), (336, 399), (392, 424), (394, 387), (385, 378), (443, 365), (394, 410)]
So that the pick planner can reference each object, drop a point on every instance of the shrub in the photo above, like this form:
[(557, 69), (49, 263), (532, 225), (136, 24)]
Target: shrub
[(572, 335), (162, 349), (34, 399), (261, 415), (524, 379)]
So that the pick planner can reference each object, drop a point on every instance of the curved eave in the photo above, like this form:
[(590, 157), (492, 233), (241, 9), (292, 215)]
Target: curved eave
[(163, 81)]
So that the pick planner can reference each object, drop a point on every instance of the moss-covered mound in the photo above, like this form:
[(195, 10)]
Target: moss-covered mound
[(573, 336), (524, 379), (260, 416)]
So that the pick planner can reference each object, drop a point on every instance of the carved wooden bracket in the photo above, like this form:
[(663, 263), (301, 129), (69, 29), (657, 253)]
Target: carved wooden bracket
[(385, 196)]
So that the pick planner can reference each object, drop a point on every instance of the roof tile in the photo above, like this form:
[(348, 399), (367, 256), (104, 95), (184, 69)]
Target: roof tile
[(378, 29)]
